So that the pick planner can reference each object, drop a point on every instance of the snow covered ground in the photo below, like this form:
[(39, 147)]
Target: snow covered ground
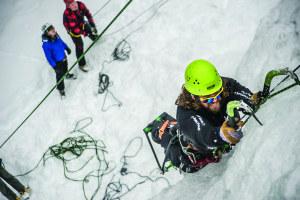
[(244, 40)]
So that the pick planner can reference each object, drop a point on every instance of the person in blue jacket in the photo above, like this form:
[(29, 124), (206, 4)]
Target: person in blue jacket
[(54, 48)]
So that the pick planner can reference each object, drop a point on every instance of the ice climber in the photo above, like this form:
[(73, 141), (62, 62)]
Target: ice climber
[(202, 118)]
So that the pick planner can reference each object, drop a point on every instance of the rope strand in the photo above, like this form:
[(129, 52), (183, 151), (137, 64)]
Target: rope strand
[(72, 148)]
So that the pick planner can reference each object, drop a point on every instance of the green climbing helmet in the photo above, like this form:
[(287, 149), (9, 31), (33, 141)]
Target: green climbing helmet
[(202, 78)]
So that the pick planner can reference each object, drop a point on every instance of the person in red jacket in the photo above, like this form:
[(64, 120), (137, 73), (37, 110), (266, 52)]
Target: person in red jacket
[(76, 26)]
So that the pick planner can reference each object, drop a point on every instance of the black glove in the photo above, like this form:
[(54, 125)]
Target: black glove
[(94, 31), (87, 29), (92, 24), (68, 51), (93, 28)]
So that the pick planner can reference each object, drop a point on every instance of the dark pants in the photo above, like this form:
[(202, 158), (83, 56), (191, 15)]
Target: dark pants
[(4, 189), (79, 49), (79, 44), (60, 69)]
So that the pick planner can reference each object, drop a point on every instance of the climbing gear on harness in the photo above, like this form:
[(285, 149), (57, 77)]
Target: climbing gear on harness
[(202, 78), (197, 159), (218, 151)]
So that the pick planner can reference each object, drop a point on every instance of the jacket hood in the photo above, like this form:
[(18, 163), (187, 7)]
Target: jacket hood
[(46, 38)]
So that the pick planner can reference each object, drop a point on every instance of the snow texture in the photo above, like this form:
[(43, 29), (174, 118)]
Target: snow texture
[(243, 39)]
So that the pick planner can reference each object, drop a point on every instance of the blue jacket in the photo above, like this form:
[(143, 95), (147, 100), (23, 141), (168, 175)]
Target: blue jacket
[(54, 49)]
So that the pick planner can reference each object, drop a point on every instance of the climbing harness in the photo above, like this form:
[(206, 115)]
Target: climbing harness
[(165, 129), (196, 160)]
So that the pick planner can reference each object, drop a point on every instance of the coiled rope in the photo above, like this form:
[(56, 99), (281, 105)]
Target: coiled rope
[(120, 53), (71, 148)]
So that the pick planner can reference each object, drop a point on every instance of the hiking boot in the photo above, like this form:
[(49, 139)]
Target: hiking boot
[(25, 195), (83, 68), (62, 92), (70, 76)]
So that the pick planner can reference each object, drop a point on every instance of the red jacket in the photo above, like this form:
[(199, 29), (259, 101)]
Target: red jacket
[(74, 20)]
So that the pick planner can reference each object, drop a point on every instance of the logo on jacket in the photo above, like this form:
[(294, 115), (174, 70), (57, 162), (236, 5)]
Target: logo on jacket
[(198, 121)]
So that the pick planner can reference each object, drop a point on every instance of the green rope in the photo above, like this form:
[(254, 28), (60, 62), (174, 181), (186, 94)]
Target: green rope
[(69, 70), (73, 148), (272, 95)]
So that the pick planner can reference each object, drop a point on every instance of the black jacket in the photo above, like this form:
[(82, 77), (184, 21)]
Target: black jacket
[(201, 128)]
